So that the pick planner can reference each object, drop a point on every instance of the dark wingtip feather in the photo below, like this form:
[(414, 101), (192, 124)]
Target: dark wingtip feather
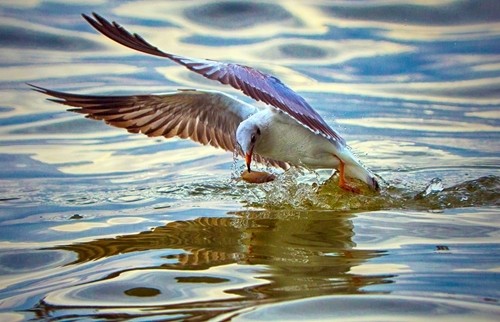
[(37, 88), (49, 92), (56, 100), (89, 19), (99, 18), (45, 91)]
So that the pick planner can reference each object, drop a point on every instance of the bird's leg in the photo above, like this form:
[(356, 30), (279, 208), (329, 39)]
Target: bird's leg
[(343, 182)]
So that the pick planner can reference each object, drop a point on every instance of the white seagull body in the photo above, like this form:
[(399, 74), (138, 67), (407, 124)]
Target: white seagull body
[(287, 132)]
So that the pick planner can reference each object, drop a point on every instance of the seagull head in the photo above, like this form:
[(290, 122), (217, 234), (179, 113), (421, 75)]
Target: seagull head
[(247, 135)]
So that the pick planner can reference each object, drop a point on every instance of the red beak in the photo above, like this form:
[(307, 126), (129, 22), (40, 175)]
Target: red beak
[(248, 159)]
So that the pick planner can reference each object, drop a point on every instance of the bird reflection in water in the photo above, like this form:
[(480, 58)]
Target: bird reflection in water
[(291, 246)]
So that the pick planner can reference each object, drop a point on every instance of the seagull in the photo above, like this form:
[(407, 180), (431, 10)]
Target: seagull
[(285, 132)]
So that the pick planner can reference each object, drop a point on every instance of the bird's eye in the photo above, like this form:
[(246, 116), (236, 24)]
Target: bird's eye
[(253, 139)]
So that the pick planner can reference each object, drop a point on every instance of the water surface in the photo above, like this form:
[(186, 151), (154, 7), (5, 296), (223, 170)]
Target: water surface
[(99, 224)]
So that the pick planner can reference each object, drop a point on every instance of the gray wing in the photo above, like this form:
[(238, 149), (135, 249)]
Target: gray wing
[(207, 117), (252, 82)]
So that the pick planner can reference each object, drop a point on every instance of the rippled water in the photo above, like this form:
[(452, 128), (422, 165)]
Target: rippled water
[(99, 224)]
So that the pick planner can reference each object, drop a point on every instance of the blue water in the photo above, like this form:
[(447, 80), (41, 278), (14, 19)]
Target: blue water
[(100, 224)]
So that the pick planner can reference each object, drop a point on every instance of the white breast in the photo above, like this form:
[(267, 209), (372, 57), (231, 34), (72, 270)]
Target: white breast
[(285, 139)]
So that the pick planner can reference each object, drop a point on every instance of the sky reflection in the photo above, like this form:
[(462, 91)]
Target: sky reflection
[(98, 223)]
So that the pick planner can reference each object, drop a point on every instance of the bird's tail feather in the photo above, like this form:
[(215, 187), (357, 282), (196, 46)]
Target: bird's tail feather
[(358, 171), (355, 169)]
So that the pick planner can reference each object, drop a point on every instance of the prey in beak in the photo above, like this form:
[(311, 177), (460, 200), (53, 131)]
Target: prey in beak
[(255, 176)]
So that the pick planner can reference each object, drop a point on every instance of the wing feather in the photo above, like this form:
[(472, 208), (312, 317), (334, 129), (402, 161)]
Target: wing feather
[(252, 82), (207, 117)]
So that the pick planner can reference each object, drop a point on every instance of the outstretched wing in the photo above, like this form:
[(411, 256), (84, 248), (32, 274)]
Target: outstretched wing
[(254, 83), (207, 117)]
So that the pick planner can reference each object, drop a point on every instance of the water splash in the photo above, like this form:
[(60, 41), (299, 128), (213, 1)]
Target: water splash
[(300, 189), (296, 189), (291, 190), (289, 193), (435, 186)]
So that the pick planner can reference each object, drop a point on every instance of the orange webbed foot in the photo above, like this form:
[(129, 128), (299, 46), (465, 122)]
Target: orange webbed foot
[(347, 187), (343, 182)]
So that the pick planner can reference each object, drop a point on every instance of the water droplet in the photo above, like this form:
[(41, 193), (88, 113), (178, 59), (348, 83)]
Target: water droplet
[(435, 186)]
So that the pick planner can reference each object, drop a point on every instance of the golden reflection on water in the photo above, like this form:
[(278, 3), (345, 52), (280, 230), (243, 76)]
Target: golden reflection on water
[(226, 264), (492, 114), (288, 247), (247, 233), (424, 125), (30, 73)]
